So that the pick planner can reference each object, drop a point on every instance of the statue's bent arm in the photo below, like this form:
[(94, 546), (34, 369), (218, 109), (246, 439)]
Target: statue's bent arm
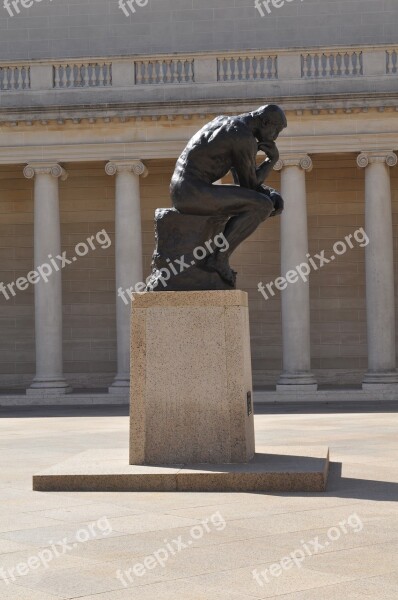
[(246, 171)]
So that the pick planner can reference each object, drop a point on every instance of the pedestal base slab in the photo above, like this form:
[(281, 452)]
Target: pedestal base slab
[(273, 469)]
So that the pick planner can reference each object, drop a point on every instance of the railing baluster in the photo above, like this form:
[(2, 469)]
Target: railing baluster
[(69, 75), (309, 65), (102, 75), (392, 62), (15, 83), (228, 71), (251, 74), (272, 67), (56, 76), (85, 75), (144, 72)]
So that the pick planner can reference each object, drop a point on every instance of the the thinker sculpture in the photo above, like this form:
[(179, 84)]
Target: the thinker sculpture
[(203, 210)]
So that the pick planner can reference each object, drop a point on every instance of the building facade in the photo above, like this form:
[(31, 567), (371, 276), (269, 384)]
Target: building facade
[(95, 107)]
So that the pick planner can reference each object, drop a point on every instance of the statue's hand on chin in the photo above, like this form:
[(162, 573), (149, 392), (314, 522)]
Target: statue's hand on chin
[(270, 149)]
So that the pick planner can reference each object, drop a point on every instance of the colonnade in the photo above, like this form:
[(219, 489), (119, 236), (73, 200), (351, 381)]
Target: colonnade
[(296, 373)]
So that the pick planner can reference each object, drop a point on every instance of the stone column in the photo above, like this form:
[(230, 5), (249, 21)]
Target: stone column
[(128, 253), (380, 306), (49, 378), (296, 375)]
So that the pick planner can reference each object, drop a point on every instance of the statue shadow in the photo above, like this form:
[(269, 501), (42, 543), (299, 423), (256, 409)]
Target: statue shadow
[(339, 486), (361, 489)]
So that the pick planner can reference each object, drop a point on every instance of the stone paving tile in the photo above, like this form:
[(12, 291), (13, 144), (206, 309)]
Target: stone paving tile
[(149, 522), (8, 547), (93, 512), (142, 544), (190, 562), (73, 582), (16, 522), (243, 582), (171, 590), (375, 588), (28, 500), (44, 536), (311, 519), (384, 587), (381, 530), (259, 507), (16, 592), (10, 563), (370, 561), (112, 548), (169, 501)]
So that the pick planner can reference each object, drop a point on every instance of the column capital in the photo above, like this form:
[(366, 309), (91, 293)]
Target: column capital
[(294, 160), (378, 156), (42, 168), (135, 166)]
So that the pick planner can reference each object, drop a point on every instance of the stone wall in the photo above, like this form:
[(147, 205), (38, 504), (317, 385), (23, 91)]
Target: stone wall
[(100, 28), (88, 206), (16, 259), (335, 196)]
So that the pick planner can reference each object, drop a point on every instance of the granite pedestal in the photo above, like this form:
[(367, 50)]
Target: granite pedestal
[(192, 425), (191, 379)]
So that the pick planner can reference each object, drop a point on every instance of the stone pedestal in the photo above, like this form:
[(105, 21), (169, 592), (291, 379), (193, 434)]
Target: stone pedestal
[(191, 409), (191, 380)]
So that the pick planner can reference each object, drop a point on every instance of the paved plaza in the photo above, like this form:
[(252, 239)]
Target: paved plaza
[(342, 544)]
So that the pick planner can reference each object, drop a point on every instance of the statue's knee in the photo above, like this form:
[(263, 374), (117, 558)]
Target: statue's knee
[(266, 208)]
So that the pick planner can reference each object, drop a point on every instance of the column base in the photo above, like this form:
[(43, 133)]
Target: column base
[(374, 380), (48, 387), (297, 382), (120, 385)]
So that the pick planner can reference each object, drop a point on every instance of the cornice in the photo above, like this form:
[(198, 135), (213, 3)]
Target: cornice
[(109, 113), (170, 149)]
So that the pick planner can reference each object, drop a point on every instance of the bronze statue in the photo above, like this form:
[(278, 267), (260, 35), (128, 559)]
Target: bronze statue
[(225, 144)]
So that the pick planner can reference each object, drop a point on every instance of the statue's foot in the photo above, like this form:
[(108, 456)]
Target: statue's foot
[(215, 263)]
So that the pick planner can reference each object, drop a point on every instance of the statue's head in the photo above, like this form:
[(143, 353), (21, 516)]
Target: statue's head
[(269, 120)]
